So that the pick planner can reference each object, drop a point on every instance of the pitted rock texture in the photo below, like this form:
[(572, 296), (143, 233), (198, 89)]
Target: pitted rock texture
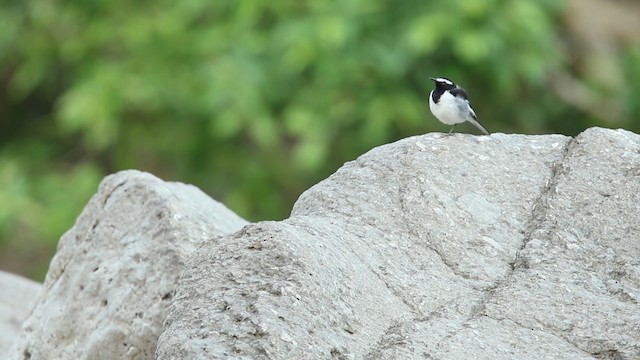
[(433, 247), (113, 277), (16, 297), (439, 247)]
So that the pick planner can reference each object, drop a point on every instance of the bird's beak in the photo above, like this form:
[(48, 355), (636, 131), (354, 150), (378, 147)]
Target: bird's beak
[(434, 79)]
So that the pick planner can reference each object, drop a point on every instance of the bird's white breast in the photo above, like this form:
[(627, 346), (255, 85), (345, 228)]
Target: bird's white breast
[(447, 110)]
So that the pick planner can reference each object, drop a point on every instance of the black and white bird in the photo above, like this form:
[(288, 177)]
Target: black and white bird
[(449, 104)]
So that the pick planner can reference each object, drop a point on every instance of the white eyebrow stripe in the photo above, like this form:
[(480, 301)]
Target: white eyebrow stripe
[(443, 80)]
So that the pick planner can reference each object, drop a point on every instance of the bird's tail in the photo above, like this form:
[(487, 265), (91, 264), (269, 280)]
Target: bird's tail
[(477, 124)]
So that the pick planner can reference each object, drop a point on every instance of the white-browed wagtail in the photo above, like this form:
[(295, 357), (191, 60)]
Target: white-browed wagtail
[(449, 104)]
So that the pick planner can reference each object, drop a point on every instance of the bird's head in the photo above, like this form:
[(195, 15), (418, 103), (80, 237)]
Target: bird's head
[(443, 83)]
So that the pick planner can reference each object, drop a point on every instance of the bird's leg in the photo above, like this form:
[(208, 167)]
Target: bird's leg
[(454, 125)]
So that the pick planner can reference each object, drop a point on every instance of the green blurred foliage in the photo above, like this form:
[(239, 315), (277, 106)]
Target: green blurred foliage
[(251, 101)]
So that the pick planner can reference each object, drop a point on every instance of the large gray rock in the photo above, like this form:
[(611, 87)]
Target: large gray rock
[(112, 279), (442, 247), (578, 277), (16, 297)]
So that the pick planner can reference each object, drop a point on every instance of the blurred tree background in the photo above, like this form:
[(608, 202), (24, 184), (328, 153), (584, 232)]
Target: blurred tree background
[(255, 101)]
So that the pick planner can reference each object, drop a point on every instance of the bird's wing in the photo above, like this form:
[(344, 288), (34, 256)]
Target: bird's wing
[(466, 106), (459, 92), (473, 113)]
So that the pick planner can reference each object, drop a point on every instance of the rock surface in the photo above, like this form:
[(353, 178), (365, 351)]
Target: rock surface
[(16, 297), (457, 247), (436, 247), (461, 247), (112, 279)]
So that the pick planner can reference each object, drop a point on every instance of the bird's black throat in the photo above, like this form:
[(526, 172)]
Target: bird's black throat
[(436, 94)]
